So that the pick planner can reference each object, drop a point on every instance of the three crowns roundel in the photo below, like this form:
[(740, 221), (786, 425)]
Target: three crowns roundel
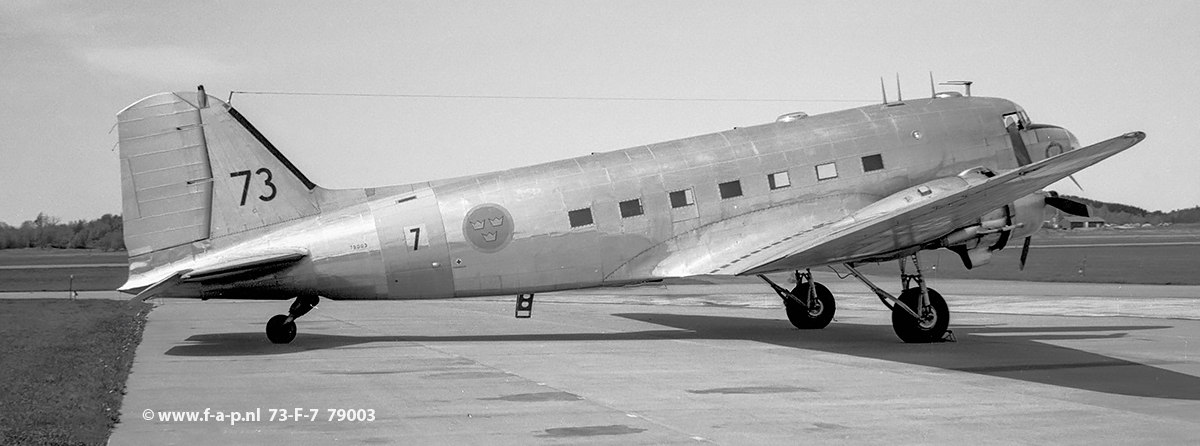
[(488, 227)]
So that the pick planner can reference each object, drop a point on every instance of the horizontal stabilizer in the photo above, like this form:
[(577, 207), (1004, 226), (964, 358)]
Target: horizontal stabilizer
[(247, 267), (161, 285), (240, 266)]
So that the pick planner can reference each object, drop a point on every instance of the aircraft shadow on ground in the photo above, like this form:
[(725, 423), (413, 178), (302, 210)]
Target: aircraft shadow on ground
[(1000, 351)]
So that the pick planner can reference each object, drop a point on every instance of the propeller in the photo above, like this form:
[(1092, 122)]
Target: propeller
[(1025, 251), (1069, 206), (1073, 180), (1063, 204)]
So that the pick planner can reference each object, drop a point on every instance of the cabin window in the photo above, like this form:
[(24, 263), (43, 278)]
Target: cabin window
[(681, 198), (778, 180), (731, 189), (826, 171), (872, 163), (631, 208), (580, 217)]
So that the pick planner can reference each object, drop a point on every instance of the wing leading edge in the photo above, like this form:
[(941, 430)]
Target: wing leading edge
[(922, 214)]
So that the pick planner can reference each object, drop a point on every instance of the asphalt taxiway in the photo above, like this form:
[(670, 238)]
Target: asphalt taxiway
[(691, 363)]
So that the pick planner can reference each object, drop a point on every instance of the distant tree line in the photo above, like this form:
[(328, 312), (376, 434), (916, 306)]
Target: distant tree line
[(1119, 214), (106, 232)]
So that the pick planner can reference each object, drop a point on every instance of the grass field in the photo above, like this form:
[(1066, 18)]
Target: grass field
[(57, 257), (64, 364), (51, 269), (59, 279)]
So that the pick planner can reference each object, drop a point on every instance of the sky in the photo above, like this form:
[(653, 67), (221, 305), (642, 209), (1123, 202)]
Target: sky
[(1100, 69)]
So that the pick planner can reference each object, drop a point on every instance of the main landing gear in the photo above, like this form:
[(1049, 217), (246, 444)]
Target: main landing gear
[(919, 315), (809, 305), (281, 329)]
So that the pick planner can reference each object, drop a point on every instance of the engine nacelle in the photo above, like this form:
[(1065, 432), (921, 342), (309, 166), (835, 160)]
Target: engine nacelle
[(975, 244)]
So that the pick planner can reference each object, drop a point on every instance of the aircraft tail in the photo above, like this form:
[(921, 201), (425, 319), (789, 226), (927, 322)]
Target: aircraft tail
[(193, 168)]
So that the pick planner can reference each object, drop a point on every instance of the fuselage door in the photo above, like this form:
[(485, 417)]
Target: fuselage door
[(413, 245)]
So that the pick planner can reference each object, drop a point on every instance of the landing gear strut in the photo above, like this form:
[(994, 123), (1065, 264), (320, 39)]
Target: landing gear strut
[(281, 329), (810, 305), (920, 314)]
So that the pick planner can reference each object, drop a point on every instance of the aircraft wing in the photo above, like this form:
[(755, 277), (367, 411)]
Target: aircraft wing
[(224, 268), (919, 215)]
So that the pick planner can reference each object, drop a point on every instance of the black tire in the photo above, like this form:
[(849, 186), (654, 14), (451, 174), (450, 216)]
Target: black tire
[(814, 318), (279, 332), (912, 330)]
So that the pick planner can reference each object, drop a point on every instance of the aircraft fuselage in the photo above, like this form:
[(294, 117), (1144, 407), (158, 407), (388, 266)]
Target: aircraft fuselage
[(643, 213)]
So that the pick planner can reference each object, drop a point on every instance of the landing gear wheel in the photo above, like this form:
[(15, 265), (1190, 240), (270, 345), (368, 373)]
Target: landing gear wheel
[(817, 315), (279, 330), (932, 324)]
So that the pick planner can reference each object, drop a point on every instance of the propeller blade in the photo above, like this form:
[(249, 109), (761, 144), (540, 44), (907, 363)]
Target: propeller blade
[(1025, 252), (1069, 206), (1018, 143), (1073, 180)]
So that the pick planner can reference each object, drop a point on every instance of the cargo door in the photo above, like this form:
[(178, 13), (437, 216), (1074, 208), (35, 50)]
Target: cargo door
[(413, 244)]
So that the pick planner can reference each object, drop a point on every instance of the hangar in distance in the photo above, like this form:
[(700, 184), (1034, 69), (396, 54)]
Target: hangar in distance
[(214, 211)]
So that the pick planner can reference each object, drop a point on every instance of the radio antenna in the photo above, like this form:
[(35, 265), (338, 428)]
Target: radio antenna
[(963, 83)]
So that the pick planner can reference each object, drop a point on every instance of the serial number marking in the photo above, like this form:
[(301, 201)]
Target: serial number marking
[(357, 246), (302, 414), (351, 414)]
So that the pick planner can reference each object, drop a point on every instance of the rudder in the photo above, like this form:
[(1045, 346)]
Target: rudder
[(166, 185)]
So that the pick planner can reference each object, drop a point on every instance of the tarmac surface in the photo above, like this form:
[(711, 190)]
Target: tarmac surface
[(688, 363)]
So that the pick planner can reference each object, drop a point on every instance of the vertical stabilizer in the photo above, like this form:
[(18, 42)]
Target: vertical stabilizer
[(254, 185), (192, 168)]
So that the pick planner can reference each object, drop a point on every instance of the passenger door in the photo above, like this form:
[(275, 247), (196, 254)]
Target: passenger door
[(413, 244)]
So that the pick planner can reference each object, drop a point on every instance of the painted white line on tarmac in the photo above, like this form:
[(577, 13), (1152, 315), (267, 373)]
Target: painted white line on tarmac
[(73, 265), (1101, 245)]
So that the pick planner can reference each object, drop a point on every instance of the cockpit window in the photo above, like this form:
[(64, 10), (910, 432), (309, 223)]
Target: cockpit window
[(1019, 117)]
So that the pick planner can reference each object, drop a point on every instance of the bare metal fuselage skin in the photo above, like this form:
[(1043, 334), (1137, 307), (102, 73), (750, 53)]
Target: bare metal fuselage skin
[(509, 232)]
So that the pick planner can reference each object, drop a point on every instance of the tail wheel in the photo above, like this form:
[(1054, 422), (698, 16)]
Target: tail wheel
[(280, 330), (819, 312), (934, 320)]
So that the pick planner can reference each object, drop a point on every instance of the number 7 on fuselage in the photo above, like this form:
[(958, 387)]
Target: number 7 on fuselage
[(214, 210)]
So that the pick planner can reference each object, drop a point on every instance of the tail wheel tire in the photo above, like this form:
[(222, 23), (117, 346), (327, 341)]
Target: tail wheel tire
[(279, 331), (819, 312), (931, 327)]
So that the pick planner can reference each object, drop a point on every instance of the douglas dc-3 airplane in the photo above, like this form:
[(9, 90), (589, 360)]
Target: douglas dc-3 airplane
[(213, 210)]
